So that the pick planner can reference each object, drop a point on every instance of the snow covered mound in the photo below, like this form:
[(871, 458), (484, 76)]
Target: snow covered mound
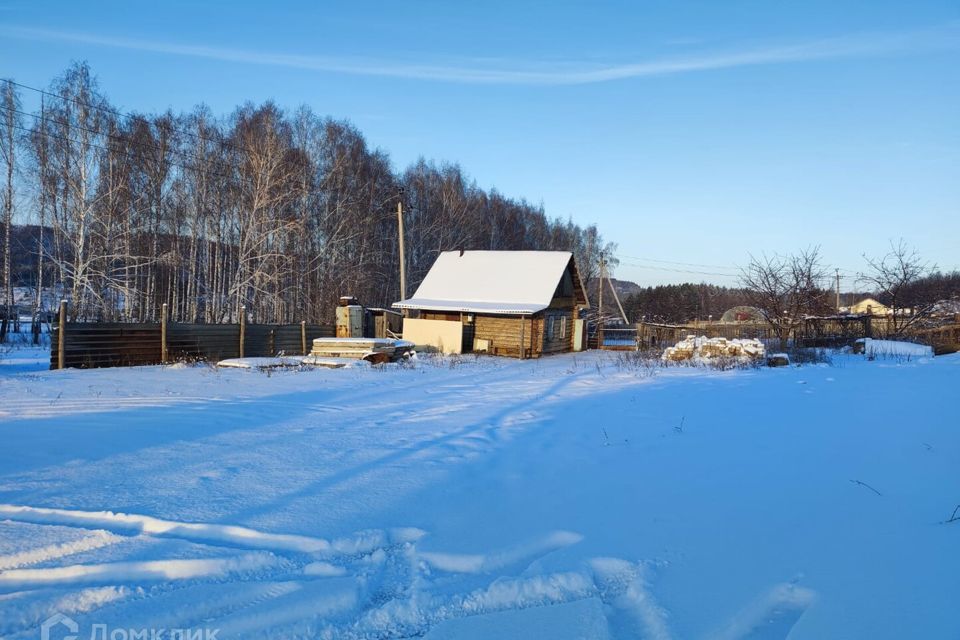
[(261, 363), (703, 348), (892, 349)]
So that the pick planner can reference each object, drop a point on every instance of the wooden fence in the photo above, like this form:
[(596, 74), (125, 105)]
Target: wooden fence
[(119, 344), (944, 339), (813, 332), (659, 335)]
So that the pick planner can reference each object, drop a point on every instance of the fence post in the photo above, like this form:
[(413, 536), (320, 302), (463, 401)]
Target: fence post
[(243, 327), (62, 336), (303, 336), (272, 343), (522, 327), (163, 333)]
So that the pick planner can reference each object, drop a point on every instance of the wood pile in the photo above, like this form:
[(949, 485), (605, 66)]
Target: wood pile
[(703, 348)]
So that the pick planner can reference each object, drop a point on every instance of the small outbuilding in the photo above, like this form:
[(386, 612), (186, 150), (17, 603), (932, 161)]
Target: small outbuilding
[(514, 303), (743, 314)]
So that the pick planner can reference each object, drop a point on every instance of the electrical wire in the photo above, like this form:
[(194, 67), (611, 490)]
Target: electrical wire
[(122, 141), (94, 145), (114, 112), (684, 264)]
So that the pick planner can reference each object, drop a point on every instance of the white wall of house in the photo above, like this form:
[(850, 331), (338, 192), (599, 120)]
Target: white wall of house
[(445, 336)]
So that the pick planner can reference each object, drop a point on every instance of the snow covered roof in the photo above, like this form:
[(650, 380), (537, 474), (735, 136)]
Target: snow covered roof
[(505, 282)]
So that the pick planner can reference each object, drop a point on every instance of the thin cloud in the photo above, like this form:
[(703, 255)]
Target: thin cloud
[(849, 46)]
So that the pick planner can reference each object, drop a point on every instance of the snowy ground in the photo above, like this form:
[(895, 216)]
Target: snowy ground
[(562, 498)]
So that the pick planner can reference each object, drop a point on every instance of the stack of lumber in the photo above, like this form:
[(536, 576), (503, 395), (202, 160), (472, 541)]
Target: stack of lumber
[(374, 350)]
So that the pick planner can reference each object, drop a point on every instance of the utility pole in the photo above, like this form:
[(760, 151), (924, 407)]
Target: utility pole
[(603, 268), (403, 269), (613, 290), (838, 291)]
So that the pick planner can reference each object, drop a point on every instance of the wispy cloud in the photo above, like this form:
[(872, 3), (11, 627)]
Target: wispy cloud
[(484, 72)]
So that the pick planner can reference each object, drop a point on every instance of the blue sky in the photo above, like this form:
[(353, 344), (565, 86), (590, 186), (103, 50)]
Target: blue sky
[(692, 133)]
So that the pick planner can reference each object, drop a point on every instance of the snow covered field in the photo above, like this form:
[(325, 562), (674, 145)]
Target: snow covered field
[(484, 498)]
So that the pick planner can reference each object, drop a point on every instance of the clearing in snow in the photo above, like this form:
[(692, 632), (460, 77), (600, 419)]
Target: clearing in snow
[(577, 496)]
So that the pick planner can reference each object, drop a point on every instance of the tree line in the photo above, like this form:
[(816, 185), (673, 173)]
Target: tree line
[(680, 303), (784, 289), (272, 211)]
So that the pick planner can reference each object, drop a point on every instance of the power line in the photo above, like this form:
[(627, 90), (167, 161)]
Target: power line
[(685, 264), (120, 114), (122, 140), (711, 266), (691, 271), (93, 145)]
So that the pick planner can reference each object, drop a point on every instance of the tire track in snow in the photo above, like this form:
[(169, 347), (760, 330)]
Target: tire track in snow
[(421, 611), (489, 562), (634, 611), (51, 408), (384, 587), (198, 604), (211, 534), (425, 601), (430, 448), (124, 572), (773, 614), (334, 400), (297, 612), (96, 540)]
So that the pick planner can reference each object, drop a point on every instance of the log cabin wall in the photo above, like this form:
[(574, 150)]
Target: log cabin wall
[(450, 316), (503, 332)]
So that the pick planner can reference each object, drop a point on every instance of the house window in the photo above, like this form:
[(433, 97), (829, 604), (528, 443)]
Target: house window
[(550, 327), (563, 327)]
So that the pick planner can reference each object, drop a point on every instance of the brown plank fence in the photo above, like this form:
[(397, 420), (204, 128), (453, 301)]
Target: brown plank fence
[(106, 344), (944, 339), (118, 344)]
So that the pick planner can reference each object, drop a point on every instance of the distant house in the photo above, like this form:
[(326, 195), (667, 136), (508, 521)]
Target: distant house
[(514, 303), (869, 307)]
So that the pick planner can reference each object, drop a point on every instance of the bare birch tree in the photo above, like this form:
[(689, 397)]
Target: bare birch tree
[(10, 125), (274, 212)]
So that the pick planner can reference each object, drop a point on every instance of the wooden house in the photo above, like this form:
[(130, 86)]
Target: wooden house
[(515, 303), (869, 307)]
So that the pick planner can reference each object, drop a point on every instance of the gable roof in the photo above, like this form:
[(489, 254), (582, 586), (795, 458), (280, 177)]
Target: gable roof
[(505, 282), (869, 302)]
